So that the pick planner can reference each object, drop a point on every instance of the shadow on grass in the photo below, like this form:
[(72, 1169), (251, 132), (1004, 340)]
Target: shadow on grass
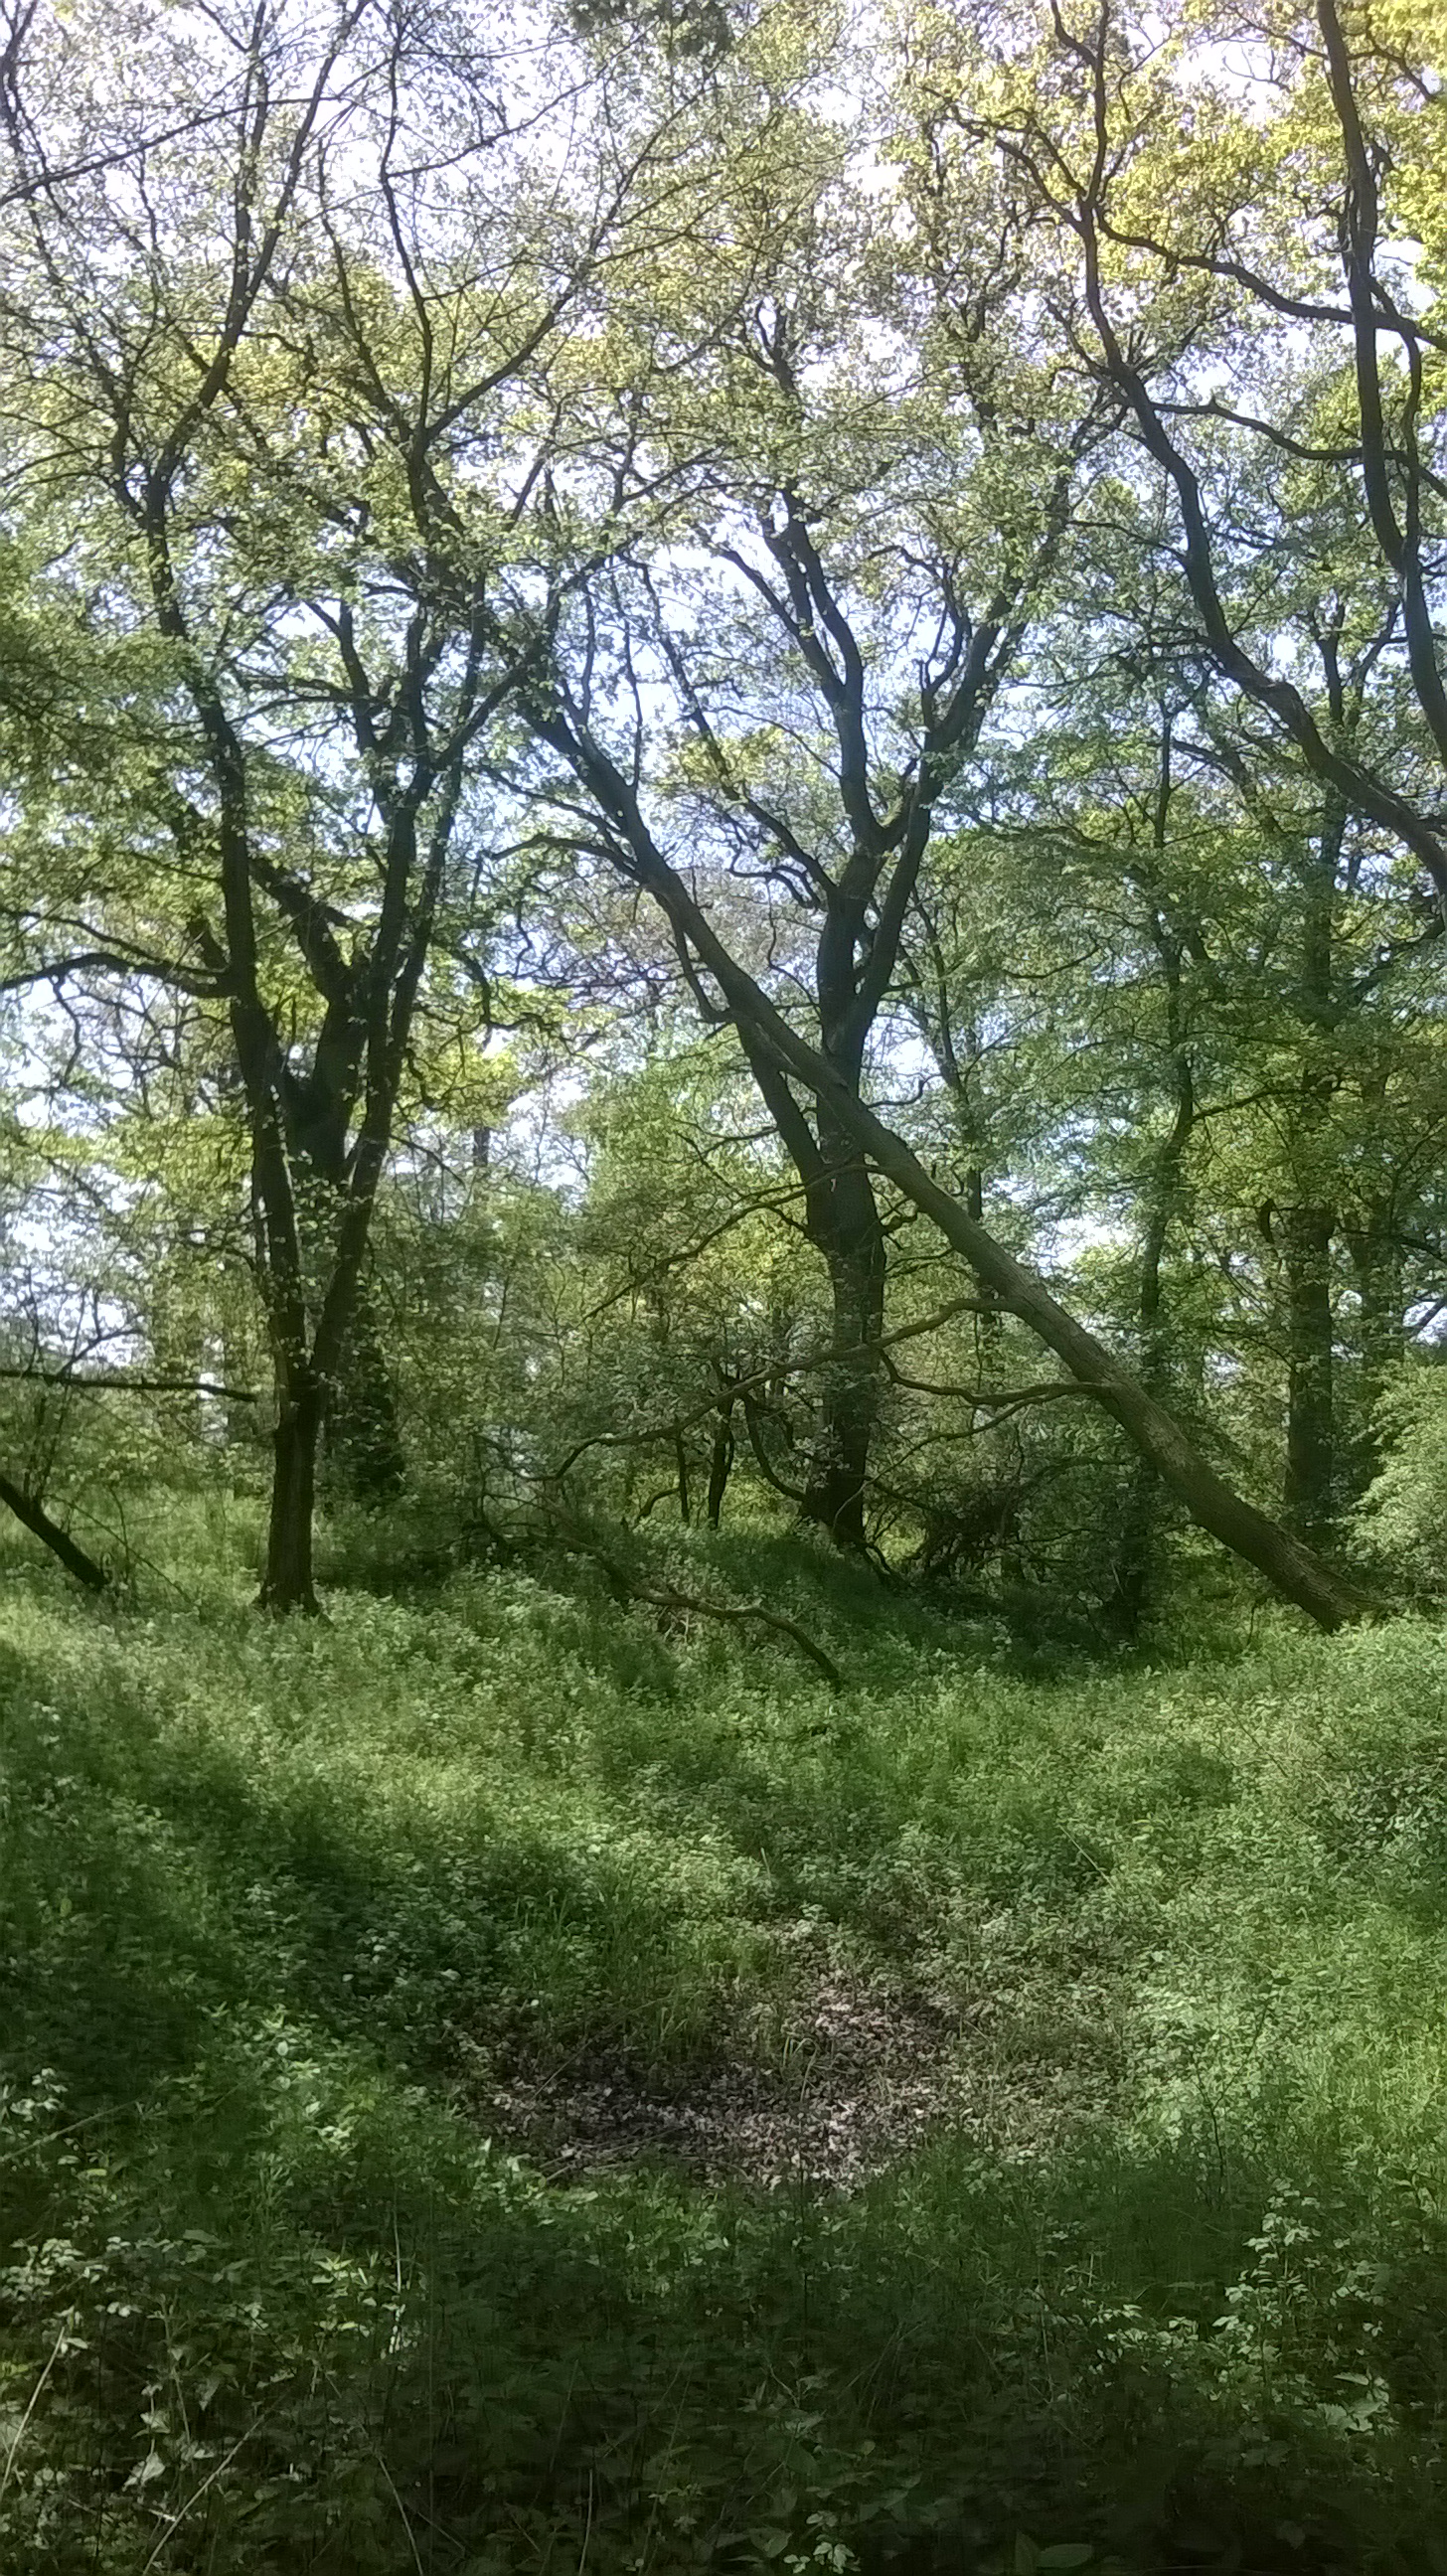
[(278, 2306)]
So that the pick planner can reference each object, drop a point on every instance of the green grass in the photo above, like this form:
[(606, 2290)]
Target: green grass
[(276, 1904)]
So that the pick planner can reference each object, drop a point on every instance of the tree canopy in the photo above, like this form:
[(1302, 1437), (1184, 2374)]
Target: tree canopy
[(724, 741)]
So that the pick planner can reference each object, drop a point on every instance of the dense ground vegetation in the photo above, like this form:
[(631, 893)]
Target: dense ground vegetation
[(359, 1979)]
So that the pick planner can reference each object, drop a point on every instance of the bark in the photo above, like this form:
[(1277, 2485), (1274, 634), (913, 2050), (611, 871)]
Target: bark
[(720, 1466), (29, 1510), (1293, 1569), (843, 1223), (1306, 1254), (288, 1583), (1138, 1550), (848, 1232)]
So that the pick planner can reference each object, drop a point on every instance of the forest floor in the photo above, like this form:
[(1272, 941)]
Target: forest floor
[(492, 2086)]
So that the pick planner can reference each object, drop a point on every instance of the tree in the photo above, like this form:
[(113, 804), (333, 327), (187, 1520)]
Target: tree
[(1214, 214), (274, 386), (877, 479)]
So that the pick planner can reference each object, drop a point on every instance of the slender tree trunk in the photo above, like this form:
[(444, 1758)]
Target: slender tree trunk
[(1136, 1552), (1306, 1254), (848, 1232), (720, 1463), (1308, 1225), (288, 1583), (1139, 1549)]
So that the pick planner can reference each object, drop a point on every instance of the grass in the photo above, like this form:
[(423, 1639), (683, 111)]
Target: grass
[(281, 1910)]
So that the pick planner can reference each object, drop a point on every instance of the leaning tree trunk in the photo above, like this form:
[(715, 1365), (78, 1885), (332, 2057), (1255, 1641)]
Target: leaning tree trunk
[(1293, 1569), (844, 1225), (780, 1057), (29, 1510)]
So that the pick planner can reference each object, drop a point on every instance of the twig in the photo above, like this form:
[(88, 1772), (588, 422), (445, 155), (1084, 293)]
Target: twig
[(778, 1368), (737, 1613), (35, 2397)]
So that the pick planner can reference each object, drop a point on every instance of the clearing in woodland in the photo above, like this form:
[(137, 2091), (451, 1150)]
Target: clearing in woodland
[(496, 2083)]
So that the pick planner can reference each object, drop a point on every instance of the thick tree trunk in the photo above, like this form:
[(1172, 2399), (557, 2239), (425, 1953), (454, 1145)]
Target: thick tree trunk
[(37, 1520), (288, 1583), (845, 1226), (1306, 1250)]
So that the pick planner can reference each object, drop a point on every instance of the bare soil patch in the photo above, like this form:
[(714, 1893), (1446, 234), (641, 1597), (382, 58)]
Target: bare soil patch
[(865, 2073)]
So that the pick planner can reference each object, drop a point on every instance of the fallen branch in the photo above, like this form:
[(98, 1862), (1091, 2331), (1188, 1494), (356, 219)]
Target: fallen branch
[(735, 1613)]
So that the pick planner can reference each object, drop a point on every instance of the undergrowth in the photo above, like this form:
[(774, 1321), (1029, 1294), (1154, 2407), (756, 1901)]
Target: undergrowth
[(280, 1907)]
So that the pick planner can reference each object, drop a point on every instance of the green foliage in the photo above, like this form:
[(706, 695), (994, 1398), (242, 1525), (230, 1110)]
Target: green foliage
[(1403, 1518), (286, 1916)]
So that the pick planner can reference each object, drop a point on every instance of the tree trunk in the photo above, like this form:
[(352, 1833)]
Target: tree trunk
[(845, 1226), (1306, 1248), (288, 1583), (1293, 1570), (37, 1520), (720, 1463), (1376, 1258), (1136, 1550)]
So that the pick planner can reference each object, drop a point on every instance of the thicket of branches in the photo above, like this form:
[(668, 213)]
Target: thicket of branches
[(724, 747)]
